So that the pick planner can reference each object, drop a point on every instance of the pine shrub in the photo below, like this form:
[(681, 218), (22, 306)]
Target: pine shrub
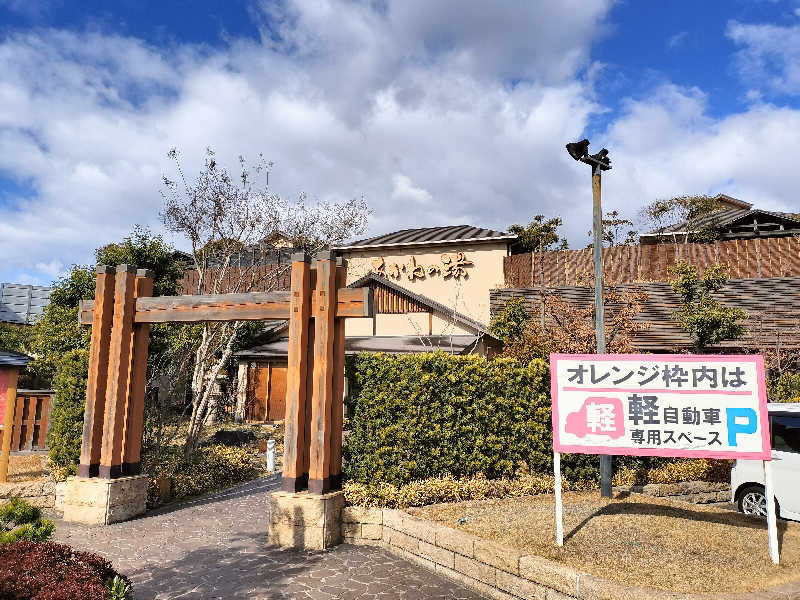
[(20, 520)]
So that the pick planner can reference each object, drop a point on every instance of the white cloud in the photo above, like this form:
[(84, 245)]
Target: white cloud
[(667, 145), (770, 55), (405, 190), (677, 39), (349, 98), (54, 268), (438, 113)]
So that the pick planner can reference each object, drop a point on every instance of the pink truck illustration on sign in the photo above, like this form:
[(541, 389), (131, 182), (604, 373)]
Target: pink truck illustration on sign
[(599, 416)]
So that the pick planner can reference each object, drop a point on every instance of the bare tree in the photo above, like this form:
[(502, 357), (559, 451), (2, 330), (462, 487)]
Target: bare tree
[(235, 227), (569, 327)]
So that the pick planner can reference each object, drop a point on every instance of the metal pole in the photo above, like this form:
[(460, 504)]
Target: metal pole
[(772, 525), (559, 504), (600, 333)]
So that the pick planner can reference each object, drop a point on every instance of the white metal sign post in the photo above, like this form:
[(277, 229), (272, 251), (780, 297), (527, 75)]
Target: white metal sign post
[(693, 406)]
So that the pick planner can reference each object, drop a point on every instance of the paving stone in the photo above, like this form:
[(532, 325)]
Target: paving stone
[(216, 548)]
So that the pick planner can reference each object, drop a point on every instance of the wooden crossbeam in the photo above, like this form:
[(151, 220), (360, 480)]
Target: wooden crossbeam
[(255, 306)]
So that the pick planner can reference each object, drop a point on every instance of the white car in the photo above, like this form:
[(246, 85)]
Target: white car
[(747, 476)]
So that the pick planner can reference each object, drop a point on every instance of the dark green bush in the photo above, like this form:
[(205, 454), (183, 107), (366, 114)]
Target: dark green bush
[(419, 416), (66, 429), (20, 520)]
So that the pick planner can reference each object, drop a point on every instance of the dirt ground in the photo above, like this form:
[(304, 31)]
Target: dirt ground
[(26, 467), (637, 539)]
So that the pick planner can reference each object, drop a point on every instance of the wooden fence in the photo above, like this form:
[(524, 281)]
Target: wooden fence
[(772, 305), (757, 258), (31, 419)]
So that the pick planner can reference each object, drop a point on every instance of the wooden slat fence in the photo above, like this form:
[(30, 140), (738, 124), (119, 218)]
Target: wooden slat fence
[(747, 259), (31, 419)]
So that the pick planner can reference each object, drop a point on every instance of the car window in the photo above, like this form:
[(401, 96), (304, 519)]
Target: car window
[(786, 433)]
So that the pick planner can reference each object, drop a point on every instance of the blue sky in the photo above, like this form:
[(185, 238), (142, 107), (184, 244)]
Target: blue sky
[(436, 112)]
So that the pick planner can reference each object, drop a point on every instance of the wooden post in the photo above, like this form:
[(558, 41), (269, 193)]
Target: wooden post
[(16, 426), (321, 401), (47, 405), (27, 417), (118, 371), (8, 384), (337, 404), (96, 384), (134, 417), (294, 474), (309, 389)]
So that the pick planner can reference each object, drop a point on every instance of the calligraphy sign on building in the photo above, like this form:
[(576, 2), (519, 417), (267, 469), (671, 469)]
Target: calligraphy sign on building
[(660, 405), (449, 265)]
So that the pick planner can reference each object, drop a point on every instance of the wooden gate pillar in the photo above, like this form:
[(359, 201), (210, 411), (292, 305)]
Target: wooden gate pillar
[(94, 412), (295, 471), (119, 365), (337, 403), (134, 414), (319, 469)]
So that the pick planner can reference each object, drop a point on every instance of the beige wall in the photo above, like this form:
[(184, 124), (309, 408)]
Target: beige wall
[(404, 324), (468, 295)]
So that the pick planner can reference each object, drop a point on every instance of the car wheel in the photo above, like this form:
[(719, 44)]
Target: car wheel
[(753, 501)]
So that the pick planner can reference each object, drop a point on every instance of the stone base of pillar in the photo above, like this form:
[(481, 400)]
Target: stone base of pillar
[(97, 501), (305, 521)]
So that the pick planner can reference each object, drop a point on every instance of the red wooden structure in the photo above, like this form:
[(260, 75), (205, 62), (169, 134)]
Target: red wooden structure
[(316, 306)]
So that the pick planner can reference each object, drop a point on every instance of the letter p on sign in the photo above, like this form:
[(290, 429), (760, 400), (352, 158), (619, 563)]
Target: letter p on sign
[(740, 420)]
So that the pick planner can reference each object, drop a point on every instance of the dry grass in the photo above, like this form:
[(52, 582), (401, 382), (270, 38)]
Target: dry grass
[(636, 539), (27, 467)]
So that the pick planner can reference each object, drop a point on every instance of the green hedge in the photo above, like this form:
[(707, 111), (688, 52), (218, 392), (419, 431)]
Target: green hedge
[(66, 429), (428, 415), (419, 416)]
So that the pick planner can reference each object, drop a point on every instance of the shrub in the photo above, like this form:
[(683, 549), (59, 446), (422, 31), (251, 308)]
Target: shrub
[(208, 468), (510, 322), (785, 388), (675, 472), (48, 571), (19, 520), (449, 489), (444, 489), (420, 416), (66, 429)]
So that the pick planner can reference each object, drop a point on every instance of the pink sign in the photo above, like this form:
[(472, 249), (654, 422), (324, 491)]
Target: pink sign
[(700, 406)]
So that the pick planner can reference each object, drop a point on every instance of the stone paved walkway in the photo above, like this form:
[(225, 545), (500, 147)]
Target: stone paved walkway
[(216, 547)]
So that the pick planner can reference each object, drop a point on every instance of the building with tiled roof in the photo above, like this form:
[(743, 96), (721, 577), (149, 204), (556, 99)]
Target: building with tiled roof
[(734, 220)]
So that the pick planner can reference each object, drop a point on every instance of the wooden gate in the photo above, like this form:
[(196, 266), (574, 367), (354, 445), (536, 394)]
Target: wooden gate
[(266, 393), (316, 307)]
